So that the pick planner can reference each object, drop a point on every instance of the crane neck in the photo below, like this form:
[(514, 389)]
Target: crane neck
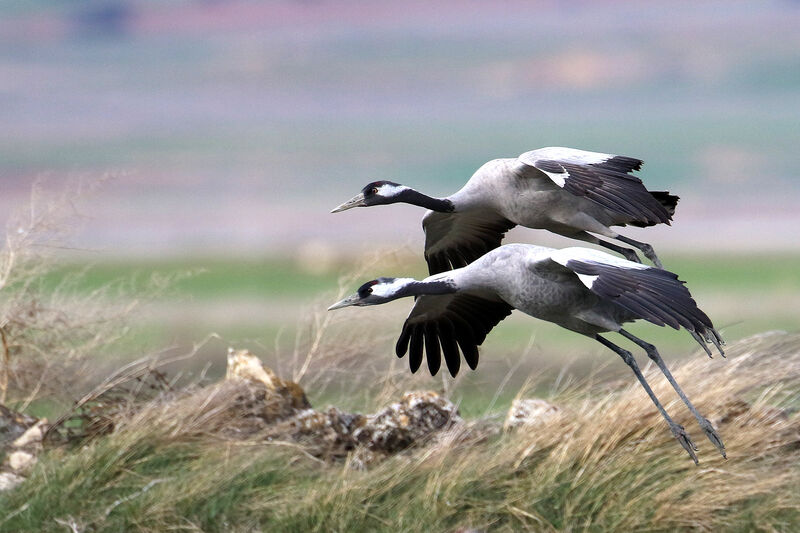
[(429, 287), (441, 205)]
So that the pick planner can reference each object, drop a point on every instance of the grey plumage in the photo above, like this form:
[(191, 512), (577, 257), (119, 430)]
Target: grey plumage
[(583, 290)]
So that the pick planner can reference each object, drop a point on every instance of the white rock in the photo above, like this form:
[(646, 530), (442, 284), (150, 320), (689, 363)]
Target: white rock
[(33, 435), (20, 461), (530, 412), (9, 480)]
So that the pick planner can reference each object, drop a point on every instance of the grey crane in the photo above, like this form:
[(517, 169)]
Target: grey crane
[(570, 192), (583, 290)]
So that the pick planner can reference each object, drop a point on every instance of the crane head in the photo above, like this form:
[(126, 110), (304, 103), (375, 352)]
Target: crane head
[(375, 193), (375, 292)]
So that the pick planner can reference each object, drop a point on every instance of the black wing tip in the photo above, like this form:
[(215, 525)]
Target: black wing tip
[(432, 351), (453, 370), (463, 327), (401, 347), (611, 187), (623, 164), (668, 201), (652, 294)]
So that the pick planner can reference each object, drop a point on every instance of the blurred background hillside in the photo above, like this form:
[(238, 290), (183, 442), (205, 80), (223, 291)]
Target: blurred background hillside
[(238, 125), (233, 127)]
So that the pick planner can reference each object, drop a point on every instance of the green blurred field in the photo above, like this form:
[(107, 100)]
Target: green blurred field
[(265, 301)]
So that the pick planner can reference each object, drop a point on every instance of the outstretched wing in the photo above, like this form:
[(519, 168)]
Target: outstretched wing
[(445, 324), (453, 240), (653, 294), (605, 179)]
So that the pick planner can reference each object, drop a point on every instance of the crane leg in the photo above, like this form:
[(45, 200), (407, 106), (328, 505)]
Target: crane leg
[(653, 354), (646, 249), (677, 430), (627, 253)]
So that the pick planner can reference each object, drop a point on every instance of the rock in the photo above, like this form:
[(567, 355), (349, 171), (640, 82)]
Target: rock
[(328, 434), (266, 406), (33, 436), (530, 412), (243, 365), (254, 403), (333, 434), (245, 408), (20, 461), (12, 426), (22, 441), (411, 421), (9, 480)]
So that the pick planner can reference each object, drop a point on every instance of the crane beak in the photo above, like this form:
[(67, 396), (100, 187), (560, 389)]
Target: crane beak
[(350, 300), (355, 201)]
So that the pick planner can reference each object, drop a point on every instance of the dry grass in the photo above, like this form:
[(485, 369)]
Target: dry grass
[(53, 339), (607, 463)]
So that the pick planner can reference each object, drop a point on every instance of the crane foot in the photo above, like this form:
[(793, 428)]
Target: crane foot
[(683, 438), (713, 436)]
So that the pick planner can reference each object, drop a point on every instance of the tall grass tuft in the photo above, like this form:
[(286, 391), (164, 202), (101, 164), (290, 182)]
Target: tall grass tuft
[(55, 335)]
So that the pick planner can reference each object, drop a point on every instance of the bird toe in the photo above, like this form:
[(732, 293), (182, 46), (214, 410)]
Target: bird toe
[(683, 438), (713, 436)]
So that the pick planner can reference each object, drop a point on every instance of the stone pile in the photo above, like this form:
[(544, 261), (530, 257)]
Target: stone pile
[(20, 443), (272, 408)]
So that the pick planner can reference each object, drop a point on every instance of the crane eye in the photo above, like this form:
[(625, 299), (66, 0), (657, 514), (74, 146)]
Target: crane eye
[(369, 291), (374, 190)]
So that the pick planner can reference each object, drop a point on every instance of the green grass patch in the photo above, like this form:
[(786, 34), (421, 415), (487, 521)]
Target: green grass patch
[(200, 278), (743, 294)]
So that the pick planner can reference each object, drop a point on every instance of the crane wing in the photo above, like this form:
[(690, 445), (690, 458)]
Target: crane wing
[(605, 179), (453, 240), (445, 324), (653, 294)]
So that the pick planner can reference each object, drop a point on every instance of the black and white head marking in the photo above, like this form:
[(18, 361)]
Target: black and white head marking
[(389, 192), (382, 290), (366, 289), (376, 292), (377, 190), (375, 193)]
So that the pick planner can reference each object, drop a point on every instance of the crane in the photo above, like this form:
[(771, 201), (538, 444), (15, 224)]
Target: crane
[(583, 290), (570, 192)]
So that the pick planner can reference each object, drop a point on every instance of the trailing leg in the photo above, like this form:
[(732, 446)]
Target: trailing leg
[(627, 253), (646, 249), (653, 354), (677, 430)]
